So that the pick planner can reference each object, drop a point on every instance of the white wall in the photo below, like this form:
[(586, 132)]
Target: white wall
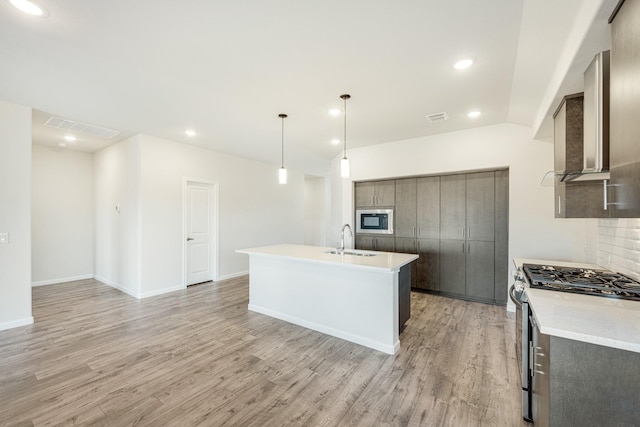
[(254, 209), (315, 212), (117, 215), (533, 231), (61, 215), (15, 215)]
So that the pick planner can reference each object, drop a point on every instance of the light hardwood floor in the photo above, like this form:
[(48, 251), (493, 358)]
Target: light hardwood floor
[(96, 356)]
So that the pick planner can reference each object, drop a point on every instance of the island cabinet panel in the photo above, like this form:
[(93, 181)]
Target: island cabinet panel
[(624, 192), (375, 194), (452, 207), (405, 208), (428, 207)]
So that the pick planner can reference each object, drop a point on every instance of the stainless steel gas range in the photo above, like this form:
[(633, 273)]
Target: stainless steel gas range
[(585, 281)]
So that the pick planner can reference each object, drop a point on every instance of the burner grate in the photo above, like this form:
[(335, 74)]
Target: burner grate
[(585, 281)]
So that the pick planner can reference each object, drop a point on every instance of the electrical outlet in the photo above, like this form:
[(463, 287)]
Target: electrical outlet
[(4, 237)]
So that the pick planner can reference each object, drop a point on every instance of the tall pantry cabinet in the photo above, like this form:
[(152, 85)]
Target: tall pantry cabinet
[(458, 225)]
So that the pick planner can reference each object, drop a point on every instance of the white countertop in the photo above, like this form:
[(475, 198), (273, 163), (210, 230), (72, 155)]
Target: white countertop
[(610, 322), (389, 261)]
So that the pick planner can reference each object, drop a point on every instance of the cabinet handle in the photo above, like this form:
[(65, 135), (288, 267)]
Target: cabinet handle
[(463, 247), (559, 205), (605, 194), (469, 232), (463, 232), (414, 230), (468, 248), (418, 245)]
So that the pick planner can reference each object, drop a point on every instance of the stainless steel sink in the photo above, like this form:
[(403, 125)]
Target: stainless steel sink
[(351, 252)]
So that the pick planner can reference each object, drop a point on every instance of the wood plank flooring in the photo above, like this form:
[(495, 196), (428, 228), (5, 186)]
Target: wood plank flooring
[(98, 357)]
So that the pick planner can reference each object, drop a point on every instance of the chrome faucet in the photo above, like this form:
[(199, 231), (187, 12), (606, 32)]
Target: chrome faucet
[(341, 248)]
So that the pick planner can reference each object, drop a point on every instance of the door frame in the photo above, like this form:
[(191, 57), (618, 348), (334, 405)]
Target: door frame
[(215, 214)]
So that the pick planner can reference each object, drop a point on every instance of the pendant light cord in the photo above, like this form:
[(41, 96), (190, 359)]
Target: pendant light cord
[(345, 97), (282, 116)]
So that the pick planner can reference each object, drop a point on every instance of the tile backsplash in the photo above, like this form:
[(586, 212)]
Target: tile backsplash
[(619, 245)]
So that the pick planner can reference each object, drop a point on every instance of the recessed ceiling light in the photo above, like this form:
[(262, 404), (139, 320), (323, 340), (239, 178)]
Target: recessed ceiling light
[(190, 132), (29, 7), (335, 111), (463, 64), (62, 144), (335, 141), (70, 138), (473, 114)]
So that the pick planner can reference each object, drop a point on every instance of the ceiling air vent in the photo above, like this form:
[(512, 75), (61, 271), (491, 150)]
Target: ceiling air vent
[(71, 125), (437, 117)]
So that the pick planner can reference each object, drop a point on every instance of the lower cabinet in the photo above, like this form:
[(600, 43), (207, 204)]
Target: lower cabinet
[(428, 265), (581, 384), (371, 243), (408, 245), (480, 274), (452, 271)]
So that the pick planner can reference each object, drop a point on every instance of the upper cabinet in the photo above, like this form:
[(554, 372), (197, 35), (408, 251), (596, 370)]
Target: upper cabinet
[(574, 198), (624, 189), (378, 193)]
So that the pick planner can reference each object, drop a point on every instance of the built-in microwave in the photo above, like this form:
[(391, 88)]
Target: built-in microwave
[(375, 221)]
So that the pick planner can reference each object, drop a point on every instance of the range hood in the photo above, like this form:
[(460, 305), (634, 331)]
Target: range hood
[(595, 142)]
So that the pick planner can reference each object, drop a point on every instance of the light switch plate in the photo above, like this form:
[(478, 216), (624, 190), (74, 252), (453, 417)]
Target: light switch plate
[(4, 237)]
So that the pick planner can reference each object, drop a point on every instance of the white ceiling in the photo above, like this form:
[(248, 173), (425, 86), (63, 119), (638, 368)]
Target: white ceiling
[(227, 68)]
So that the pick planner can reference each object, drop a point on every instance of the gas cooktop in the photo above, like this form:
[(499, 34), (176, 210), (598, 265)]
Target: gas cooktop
[(603, 283)]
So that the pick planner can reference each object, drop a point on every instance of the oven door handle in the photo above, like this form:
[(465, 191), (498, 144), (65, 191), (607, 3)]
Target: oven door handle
[(512, 295)]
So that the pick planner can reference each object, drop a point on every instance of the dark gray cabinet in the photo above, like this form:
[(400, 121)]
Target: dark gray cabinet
[(405, 208), (457, 224), (624, 192), (474, 218), (428, 265), (573, 199), (375, 193), (452, 207), (581, 384), (371, 243), (428, 207), (452, 267)]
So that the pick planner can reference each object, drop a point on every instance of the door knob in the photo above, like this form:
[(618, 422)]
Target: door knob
[(190, 239)]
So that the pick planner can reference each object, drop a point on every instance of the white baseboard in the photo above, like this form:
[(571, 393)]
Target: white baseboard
[(62, 280), (231, 276), (161, 291), (16, 323), (118, 287)]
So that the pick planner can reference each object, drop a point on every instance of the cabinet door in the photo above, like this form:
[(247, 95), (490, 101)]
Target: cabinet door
[(502, 237), (364, 194), (428, 207), (384, 244), (405, 210), (624, 112), (480, 269), (452, 207), (407, 245), (428, 270), (480, 206), (364, 242), (385, 193), (452, 266)]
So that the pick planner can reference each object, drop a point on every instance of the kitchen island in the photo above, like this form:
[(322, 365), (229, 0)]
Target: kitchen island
[(353, 295)]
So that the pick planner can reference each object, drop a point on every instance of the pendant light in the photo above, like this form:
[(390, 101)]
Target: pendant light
[(345, 171), (282, 173)]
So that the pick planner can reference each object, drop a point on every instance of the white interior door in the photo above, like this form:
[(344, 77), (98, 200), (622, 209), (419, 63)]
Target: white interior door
[(199, 233)]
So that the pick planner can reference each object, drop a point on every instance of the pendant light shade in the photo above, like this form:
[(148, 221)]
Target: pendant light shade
[(282, 173), (345, 168)]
